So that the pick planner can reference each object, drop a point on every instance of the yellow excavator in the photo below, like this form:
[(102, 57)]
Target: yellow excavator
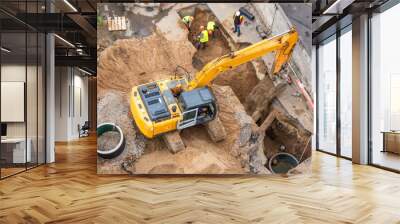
[(177, 103)]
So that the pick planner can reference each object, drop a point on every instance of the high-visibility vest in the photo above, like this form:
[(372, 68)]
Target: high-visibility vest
[(211, 25), (187, 19), (204, 36)]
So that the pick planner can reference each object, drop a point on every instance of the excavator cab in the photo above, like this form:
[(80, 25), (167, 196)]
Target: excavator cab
[(198, 107)]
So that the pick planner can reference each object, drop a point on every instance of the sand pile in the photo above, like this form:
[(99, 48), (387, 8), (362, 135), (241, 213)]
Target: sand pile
[(136, 61)]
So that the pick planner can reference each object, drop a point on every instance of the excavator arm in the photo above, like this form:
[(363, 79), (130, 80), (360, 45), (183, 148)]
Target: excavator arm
[(282, 45)]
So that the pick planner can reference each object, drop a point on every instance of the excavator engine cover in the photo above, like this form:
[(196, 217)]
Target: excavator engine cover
[(154, 102), (196, 98)]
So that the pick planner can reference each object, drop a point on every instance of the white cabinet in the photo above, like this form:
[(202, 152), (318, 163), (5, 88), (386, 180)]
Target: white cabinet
[(18, 149)]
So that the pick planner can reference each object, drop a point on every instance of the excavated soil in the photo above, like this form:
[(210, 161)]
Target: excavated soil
[(202, 156), (242, 79), (132, 62), (136, 61)]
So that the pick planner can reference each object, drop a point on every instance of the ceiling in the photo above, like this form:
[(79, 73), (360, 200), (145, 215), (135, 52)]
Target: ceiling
[(331, 15), (74, 22)]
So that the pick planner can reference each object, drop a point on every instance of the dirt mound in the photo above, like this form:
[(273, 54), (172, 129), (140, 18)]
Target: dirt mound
[(136, 61)]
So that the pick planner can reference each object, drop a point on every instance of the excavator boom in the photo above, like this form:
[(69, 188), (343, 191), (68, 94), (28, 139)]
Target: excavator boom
[(282, 45)]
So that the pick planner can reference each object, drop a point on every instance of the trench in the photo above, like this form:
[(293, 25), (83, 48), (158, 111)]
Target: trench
[(241, 79), (281, 136), (285, 137)]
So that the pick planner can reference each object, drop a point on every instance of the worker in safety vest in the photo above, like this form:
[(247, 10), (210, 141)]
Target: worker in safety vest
[(211, 27), (187, 20), (237, 21), (203, 37)]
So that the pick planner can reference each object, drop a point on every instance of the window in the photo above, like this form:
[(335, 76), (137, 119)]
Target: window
[(326, 104), (385, 89), (22, 73), (346, 92)]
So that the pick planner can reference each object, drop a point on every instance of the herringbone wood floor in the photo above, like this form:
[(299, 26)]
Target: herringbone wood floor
[(69, 191)]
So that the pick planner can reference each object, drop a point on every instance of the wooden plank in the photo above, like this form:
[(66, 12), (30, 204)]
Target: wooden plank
[(117, 23)]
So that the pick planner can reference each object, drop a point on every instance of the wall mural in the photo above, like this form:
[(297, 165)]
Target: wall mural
[(195, 88)]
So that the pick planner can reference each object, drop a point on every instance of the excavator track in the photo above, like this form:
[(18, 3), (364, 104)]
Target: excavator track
[(173, 141), (216, 130)]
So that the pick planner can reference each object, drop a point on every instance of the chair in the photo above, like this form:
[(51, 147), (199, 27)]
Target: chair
[(84, 130)]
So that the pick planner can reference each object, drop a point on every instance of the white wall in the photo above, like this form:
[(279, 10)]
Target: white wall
[(80, 104), (82, 82), (33, 127), (62, 81), (71, 87), (12, 73)]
